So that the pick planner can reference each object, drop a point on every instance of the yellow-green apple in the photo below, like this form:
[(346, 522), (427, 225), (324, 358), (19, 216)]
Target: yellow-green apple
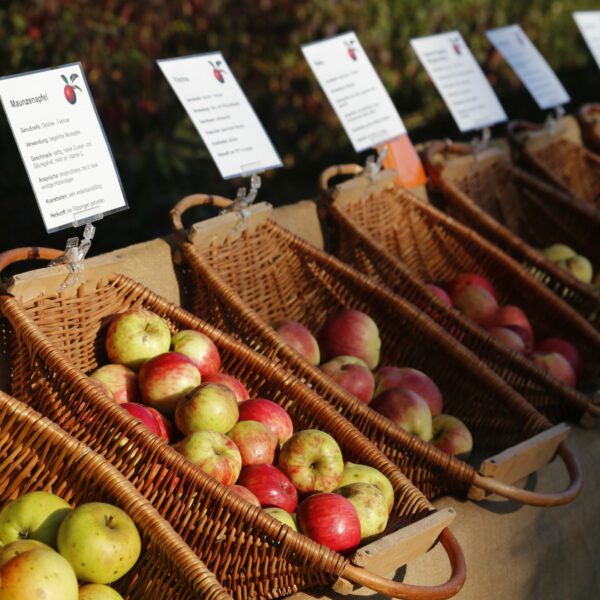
[(282, 515), (509, 338), (330, 520), (214, 453), (208, 407), (351, 333), (270, 486), (135, 336), (121, 381), (100, 541), (452, 436), (312, 461), (353, 375), (568, 350), (256, 442), (98, 591), (477, 303), (15, 548), (37, 573), (151, 418), (167, 378), (200, 348), (557, 252), (557, 366), (512, 317), (579, 266), (436, 290), (300, 339), (405, 408), (36, 516), (236, 386), (354, 473), (102, 387), (270, 414), (245, 493), (470, 279), (412, 379), (370, 505)]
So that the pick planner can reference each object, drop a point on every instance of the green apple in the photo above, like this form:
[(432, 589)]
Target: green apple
[(100, 541), (97, 591), (364, 473), (36, 516), (370, 504), (282, 515), (38, 573), (580, 267), (15, 548), (558, 252)]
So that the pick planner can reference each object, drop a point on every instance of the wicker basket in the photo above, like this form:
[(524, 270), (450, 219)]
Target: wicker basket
[(518, 213), (36, 454), (54, 339), (390, 235), (562, 162), (589, 120), (266, 273)]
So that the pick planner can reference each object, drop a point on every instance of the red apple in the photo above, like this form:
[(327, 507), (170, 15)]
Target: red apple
[(256, 442), (200, 348), (439, 292), (121, 381), (245, 493), (512, 317), (270, 486), (405, 408), (353, 375), (236, 386), (565, 348), (412, 379), (167, 378), (135, 336), (270, 414), (151, 418), (467, 279), (509, 338), (351, 333), (312, 460), (557, 365), (300, 339), (452, 436), (330, 520), (477, 303)]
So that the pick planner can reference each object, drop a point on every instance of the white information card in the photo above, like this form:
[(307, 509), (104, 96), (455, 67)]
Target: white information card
[(221, 113), (529, 65), (589, 24), (63, 146), (459, 79), (354, 90)]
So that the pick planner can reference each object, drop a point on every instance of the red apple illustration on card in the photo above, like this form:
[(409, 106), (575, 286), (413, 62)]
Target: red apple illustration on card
[(70, 88), (217, 72), (351, 49), (456, 45)]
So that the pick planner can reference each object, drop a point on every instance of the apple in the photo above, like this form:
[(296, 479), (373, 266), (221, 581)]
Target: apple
[(100, 541), (270, 486), (15, 548), (200, 348), (330, 520), (38, 573), (568, 350), (370, 505), (476, 303), (36, 516), (452, 436), (245, 493), (412, 379), (439, 292), (209, 407), (167, 378), (557, 252), (405, 408), (236, 386), (102, 387), (351, 333), (270, 414), (354, 473), (282, 515), (579, 266), (256, 442), (312, 460), (557, 365), (97, 591), (300, 339), (135, 336), (214, 453), (509, 338), (353, 375), (512, 317), (151, 418), (120, 380), (471, 279)]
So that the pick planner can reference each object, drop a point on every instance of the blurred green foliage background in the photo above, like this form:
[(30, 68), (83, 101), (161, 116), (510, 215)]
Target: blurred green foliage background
[(158, 153)]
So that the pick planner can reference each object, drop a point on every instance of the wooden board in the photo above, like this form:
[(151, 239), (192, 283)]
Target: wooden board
[(362, 185)]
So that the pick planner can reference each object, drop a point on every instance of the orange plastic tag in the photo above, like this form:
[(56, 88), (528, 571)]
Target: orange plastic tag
[(402, 156)]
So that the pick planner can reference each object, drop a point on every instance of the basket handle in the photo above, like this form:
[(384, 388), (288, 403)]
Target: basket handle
[(27, 253), (514, 128), (176, 213), (361, 576), (511, 492), (336, 170), (587, 111), (442, 147)]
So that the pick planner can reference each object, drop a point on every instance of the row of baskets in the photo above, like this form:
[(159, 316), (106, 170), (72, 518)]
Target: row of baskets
[(250, 275)]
